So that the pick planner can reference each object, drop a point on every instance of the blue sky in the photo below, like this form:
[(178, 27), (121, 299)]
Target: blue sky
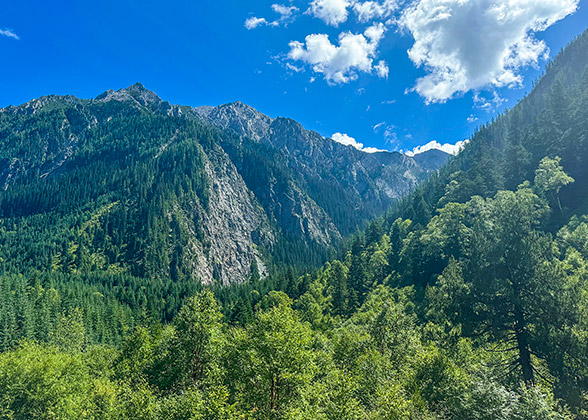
[(352, 75)]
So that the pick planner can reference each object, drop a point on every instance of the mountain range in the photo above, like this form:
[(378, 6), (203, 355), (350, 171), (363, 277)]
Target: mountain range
[(127, 182)]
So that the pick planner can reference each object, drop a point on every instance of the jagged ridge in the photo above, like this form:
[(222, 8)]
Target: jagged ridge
[(242, 189)]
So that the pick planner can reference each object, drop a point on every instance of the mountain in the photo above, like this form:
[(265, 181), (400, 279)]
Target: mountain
[(129, 183), (350, 185)]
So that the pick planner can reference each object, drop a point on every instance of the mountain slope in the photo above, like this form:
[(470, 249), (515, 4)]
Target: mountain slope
[(350, 185), (128, 183), (491, 253), (551, 121)]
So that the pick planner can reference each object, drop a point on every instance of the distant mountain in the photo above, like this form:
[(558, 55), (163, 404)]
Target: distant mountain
[(127, 182), (351, 186), (432, 158)]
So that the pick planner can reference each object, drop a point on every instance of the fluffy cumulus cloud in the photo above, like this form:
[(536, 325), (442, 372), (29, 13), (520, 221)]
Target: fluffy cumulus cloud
[(452, 149), (382, 69), (332, 12), (350, 141), (9, 33), (368, 11), (341, 63), (354, 53), (469, 45)]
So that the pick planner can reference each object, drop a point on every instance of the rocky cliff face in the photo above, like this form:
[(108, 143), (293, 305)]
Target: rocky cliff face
[(204, 193), (369, 182), (236, 228), (241, 118)]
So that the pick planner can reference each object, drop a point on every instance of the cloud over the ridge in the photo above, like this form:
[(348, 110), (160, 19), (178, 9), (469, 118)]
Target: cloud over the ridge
[(340, 64), (9, 33), (467, 45), (452, 149), (346, 140), (350, 141)]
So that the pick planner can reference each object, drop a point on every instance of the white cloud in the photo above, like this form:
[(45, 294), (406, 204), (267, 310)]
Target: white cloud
[(472, 119), (254, 22), (375, 32), (372, 150), (452, 149), (9, 33), (369, 10), (285, 12), (286, 16), (340, 64), (469, 45), (350, 141), (389, 132), (294, 68), (332, 12), (382, 69), (486, 104), (346, 140)]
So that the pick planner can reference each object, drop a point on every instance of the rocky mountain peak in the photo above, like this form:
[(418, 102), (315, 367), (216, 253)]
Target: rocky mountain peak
[(433, 158), (134, 93), (35, 105), (241, 118)]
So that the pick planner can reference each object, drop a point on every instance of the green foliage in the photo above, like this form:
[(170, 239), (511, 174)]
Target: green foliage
[(200, 338), (550, 178), (43, 383)]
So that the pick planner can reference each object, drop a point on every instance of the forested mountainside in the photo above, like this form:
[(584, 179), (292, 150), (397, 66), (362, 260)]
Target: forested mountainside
[(550, 121), (127, 183), (366, 183), (467, 300)]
